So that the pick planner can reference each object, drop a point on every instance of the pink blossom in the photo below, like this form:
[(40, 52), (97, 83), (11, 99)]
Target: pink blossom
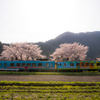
[(73, 52), (21, 51)]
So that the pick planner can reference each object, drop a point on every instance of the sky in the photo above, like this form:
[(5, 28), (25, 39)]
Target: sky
[(41, 20)]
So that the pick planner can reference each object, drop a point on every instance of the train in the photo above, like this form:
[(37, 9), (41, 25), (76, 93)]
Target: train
[(50, 66)]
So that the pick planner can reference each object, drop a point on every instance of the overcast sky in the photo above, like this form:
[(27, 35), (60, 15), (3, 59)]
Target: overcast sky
[(41, 20)]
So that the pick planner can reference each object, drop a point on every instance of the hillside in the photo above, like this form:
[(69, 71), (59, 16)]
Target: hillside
[(90, 39)]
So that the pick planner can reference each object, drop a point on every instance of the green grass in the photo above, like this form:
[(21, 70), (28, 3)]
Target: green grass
[(49, 90), (49, 73)]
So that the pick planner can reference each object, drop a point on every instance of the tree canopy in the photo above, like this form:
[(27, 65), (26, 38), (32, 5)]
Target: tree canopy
[(21, 51), (73, 52)]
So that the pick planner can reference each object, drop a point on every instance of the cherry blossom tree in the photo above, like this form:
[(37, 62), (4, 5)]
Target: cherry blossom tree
[(98, 59), (73, 52), (21, 51)]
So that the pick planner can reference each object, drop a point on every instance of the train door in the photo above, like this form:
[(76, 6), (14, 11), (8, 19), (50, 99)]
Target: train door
[(5, 65), (55, 65), (98, 64), (1, 65), (59, 65)]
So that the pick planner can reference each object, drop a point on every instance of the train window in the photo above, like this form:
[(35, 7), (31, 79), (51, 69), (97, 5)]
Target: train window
[(98, 64), (47, 64), (51, 64), (59, 64), (28, 64), (23, 64), (92, 64), (71, 64), (34, 64), (64, 64), (82, 64), (87, 64), (39, 64), (18, 64), (77, 64), (12, 64), (0, 64), (5, 64)]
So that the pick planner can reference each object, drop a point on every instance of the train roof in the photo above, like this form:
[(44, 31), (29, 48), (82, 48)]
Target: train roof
[(26, 61), (80, 61)]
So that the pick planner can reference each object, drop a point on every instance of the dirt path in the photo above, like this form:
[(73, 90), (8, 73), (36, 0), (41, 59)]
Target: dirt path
[(49, 78)]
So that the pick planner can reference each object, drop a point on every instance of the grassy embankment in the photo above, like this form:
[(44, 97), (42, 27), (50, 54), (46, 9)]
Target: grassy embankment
[(49, 90), (48, 73)]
